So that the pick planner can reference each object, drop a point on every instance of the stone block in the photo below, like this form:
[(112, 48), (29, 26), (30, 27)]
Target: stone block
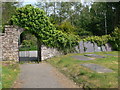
[(94, 55), (97, 68), (83, 58)]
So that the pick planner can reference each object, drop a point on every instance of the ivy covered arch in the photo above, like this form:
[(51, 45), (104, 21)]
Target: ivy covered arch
[(36, 22)]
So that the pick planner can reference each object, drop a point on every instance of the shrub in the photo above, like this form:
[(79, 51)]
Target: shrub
[(99, 40), (66, 27), (115, 39), (26, 43), (83, 33)]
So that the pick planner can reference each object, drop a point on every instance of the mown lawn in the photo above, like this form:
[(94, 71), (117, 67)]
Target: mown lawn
[(0, 75), (31, 48), (10, 72), (85, 77)]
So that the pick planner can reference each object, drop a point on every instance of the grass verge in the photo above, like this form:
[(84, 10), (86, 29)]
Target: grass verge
[(10, 72), (31, 48), (85, 77)]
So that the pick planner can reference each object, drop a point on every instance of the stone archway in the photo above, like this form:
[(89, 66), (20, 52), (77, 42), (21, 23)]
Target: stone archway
[(10, 49), (28, 47)]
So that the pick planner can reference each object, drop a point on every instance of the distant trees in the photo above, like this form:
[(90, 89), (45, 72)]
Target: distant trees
[(98, 18), (106, 14), (8, 9)]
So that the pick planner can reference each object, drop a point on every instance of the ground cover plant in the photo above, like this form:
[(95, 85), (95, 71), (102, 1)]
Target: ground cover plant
[(10, 71), (0, 75), (31, 48), (85, 77)]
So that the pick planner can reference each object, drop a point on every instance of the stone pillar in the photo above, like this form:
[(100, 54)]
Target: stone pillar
[(10, 49)]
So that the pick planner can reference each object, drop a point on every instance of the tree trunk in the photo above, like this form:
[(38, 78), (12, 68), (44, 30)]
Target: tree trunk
[(54, 9), (39, 50)]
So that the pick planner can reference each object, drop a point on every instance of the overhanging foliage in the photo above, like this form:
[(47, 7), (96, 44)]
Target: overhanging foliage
[(36, 22)]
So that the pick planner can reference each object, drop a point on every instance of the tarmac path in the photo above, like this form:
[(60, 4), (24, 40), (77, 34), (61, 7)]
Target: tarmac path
[(42, 75)]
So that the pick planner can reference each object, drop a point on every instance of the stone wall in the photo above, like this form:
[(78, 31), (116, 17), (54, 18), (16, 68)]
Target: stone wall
[(10, 43), (10, 51), (49, 52), (90, 47)]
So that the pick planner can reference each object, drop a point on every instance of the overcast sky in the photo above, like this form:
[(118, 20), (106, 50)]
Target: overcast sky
[(35, 1)]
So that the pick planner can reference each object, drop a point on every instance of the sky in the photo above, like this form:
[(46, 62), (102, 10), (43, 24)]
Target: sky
[(28, 1), (32, 1), (35, 1)]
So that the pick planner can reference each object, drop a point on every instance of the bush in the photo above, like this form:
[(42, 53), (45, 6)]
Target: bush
[(66, 27), (27, 43), (66, 42), (115, 39), (83, 33), (99, 40)]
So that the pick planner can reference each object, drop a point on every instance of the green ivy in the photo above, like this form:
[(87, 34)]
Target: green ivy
[(113, 39), (99, 40), (36, 22)]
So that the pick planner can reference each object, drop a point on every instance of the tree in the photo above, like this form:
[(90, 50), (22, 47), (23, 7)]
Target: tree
[(100, 19), (8, 9), (66, 27), (107, 16), (115, 39)]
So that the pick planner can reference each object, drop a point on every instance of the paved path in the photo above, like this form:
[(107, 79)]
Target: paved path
[(42, 75)]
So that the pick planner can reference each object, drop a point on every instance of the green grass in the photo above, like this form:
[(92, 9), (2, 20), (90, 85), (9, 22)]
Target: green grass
[(10, 72), (0, 75), (83, 76), (31, 48)]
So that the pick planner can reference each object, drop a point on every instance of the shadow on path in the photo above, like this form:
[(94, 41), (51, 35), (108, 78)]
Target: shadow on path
[(28, 59)]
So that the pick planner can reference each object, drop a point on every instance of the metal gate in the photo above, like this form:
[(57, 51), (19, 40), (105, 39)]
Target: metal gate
[(24, 55)]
